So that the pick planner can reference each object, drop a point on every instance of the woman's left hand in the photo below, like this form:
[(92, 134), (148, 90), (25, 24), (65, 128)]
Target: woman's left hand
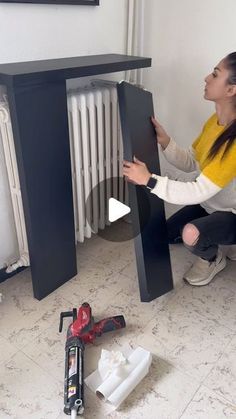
[(136, 172)]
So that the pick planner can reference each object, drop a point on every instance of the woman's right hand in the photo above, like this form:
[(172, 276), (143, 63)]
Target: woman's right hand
[(162, 137)]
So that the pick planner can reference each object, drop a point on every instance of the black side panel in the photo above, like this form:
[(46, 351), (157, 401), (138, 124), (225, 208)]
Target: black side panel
[(40, 128), (147, 210)]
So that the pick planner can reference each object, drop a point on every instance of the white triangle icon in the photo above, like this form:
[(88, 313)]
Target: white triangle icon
[(117, 209)]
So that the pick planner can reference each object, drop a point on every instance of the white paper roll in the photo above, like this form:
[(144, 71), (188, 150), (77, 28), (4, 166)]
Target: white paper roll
[(133, 379), (120, 383)]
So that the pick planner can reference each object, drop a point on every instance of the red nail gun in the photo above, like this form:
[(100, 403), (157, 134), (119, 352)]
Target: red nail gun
[(81, 331)]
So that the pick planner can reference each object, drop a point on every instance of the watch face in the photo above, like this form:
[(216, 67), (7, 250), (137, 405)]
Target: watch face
[(151, 183)]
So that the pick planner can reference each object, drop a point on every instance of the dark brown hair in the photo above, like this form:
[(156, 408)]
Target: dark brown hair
[(228, 136)]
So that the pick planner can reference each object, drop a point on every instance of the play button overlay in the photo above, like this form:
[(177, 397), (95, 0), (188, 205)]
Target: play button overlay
[(117, 222), (117, 210)]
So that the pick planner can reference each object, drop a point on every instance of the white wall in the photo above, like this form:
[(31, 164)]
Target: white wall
[(33, 32), (37, 31), (186, 38)]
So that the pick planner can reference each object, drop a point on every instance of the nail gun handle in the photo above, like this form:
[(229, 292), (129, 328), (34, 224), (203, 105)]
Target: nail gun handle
[(110, 324), (64, 314)]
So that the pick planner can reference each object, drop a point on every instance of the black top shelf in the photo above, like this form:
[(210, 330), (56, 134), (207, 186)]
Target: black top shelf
[(43, 71)]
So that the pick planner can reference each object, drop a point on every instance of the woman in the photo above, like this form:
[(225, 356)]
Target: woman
[(209, 219)]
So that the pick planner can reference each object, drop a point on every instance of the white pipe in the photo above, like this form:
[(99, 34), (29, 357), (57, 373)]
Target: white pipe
[(130, 30), (140, 37), (131, 4), (135, 37), (141, 27), (23, 261)]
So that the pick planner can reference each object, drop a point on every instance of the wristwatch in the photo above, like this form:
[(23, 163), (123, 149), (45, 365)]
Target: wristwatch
[(152, 182)]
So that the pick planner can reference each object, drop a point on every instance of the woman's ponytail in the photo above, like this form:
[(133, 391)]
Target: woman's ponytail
[(228, 136)]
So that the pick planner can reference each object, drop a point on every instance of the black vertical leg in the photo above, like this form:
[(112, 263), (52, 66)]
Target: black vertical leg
[(147, 210), (40, 129)]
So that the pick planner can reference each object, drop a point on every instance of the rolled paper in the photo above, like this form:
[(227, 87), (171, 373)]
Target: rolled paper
[(123, 379), (133, 379)]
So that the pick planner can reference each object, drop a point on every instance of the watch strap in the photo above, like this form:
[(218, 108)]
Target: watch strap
[(151, 182)]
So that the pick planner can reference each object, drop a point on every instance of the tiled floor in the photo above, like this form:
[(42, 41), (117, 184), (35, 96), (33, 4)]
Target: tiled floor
[(190, 331)]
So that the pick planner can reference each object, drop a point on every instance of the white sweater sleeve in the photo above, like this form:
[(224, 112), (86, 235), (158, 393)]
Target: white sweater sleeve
[(180, 158), (185, 193)]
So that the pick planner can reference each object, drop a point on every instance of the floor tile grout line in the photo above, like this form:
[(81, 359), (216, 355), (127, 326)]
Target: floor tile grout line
[(105, 278), (154, 315), (219, 394), (201, 316), (31, 359), (19, 348), (96, 259), (183, 369), (166, 302), (190, 401), (189, 377), (41, 368), (158, 310), (14, 353), (201, 381), (164, 361), (205, 317), (49, 326), (114, 246), (218, 359), (43, 331), (177, 367)]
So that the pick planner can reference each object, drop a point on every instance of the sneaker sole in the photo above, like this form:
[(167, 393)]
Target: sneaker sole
[(231, 258), (217, 269)]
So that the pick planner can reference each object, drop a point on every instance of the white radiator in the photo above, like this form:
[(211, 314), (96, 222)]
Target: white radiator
[(96, 160), (96, 155), (14, 184)]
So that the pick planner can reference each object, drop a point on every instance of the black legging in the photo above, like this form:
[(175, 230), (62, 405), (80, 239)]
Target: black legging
[(216, 228)]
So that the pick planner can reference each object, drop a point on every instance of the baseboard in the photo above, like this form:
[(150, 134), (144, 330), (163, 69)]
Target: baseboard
[(4, 275)]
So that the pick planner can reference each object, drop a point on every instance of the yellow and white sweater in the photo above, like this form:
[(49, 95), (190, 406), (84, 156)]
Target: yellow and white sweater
[(215, 184)]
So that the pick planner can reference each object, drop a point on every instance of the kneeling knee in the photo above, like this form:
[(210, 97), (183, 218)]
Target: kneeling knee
[(190, 234)]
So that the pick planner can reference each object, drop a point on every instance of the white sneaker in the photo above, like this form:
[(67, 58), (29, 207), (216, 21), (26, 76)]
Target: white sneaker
[(230, 251), (203, 271)]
